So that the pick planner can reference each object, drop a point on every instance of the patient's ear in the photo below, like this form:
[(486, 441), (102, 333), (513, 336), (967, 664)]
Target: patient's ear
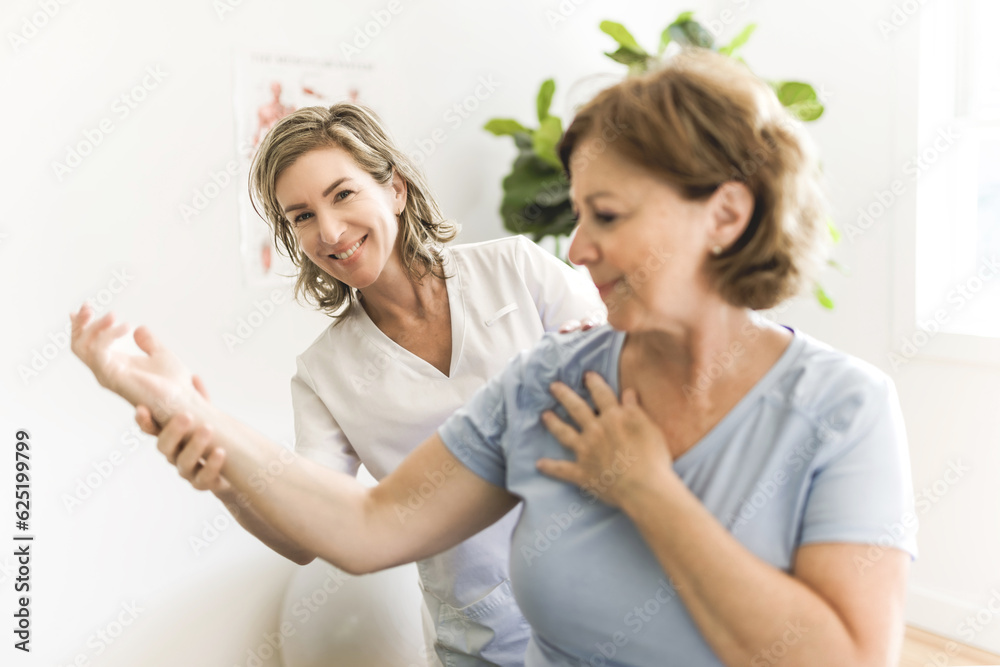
[(731, 207)]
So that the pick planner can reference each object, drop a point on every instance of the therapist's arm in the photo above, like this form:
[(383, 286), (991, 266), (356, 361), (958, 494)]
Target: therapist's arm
[(430, 503)]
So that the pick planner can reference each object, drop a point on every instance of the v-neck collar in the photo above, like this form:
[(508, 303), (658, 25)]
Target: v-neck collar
[(456, 306), (736, 413)]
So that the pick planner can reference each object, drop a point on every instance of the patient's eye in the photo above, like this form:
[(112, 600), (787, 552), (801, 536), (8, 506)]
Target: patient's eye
[(343, 194), (301, 217)]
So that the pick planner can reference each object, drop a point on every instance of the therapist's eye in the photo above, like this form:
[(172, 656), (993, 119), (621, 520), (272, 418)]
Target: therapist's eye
[(605, 218)]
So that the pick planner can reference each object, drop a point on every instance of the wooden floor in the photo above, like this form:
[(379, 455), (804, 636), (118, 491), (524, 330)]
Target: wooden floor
[(925, 649)]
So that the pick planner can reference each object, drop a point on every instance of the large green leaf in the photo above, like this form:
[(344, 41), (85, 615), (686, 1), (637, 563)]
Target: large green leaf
[(664, 41), (546, 138), (544, 100), (536, 199), (628, 57), (834, 231), (688, 32), (799, 98), (503, 127), (528, 178), (823, 298), (618, 33), (738, 41)]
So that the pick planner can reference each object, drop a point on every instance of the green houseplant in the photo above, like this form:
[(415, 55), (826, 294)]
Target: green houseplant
[(536, 194)]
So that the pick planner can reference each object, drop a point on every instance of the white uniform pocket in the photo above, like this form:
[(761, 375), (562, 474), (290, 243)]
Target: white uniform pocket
[(490, 631)]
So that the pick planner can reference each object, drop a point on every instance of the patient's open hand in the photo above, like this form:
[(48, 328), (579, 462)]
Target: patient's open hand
[(157, 379)]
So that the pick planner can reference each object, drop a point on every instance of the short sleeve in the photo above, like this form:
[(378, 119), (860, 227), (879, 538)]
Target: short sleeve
[(475, 432), (560, 292), (864, 493), (318, 436)]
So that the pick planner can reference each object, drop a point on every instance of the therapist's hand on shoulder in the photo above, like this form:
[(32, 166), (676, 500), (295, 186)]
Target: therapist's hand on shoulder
[(578, 325), (190, 450)]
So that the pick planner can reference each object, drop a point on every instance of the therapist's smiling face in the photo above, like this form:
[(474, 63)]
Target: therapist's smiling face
[(344, 220)]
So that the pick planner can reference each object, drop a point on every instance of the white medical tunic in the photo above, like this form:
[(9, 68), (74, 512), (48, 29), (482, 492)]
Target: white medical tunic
[(359, 397)]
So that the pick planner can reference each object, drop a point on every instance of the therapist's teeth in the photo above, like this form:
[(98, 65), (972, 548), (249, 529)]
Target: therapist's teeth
[(350, 251)]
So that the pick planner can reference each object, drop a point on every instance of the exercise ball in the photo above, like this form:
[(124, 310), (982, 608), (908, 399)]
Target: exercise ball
[(332, 619)]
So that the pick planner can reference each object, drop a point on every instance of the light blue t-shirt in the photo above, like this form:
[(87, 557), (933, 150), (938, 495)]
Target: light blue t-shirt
[(815, 452)]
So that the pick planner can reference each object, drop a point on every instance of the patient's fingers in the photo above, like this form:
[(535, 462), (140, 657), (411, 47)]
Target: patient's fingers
[(173, 434), (110, 334), (146, 341), (80, 319)]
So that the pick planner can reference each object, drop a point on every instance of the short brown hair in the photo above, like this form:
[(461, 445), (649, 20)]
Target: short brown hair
[(703, 119), (359, 131)]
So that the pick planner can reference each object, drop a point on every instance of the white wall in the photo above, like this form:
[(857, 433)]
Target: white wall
[(62, 242)]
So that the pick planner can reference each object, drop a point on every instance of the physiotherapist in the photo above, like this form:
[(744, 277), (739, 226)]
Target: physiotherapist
[(417, 327)]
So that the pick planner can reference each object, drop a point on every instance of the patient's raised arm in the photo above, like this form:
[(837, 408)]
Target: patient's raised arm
[(156, 379), (328, 513)]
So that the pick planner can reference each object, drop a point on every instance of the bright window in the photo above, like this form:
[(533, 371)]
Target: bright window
[(957, 169)]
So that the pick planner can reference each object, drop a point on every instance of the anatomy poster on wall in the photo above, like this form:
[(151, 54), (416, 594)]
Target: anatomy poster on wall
[(267, 88)]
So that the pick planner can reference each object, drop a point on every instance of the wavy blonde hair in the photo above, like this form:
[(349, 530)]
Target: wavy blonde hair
[(699, 121), (359, 131)]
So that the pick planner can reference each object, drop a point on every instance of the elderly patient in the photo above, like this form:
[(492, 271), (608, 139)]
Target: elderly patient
[(701, 486)]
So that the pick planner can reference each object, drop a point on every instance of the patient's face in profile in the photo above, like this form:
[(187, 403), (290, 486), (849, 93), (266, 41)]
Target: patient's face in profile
[(643, 243), (345, 222)]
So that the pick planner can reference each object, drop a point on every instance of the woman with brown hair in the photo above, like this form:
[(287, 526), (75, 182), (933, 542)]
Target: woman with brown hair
[(729, 492)]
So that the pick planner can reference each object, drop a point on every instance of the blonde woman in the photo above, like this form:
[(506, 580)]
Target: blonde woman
[(417, 327), (700, 486)]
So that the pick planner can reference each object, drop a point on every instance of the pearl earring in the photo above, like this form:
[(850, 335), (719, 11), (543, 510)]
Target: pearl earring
[(717, 250)]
